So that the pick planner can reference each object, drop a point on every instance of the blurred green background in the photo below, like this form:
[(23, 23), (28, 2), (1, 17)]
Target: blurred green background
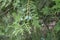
[(21, 19)]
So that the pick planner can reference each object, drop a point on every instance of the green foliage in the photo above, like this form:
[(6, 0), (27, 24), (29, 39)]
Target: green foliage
[(19, 19)]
